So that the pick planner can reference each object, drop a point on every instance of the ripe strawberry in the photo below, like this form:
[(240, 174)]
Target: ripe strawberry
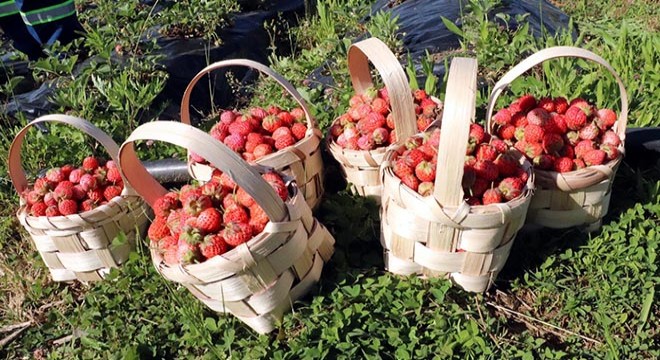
[(561, 105), (486, 169), (479, 186), (419, 94), (380, 136), (90, 164), (380, 106), (589, 132), (355, 100), (425, 171), (473, 201), (227, 182), (258, 219), (219, 131), (605, 119), (486, 152), (42, 186), (506, 132), (158, 229), (413, 157), (594, 157), (298, 114), (365, 142), (55, 175), (369, 95), (111, 191), (113, 175), (52, 210), (384, 94), (538, 117), (164, 205), (584, 105), (611, 151), (276, 182), (552, 143), (556, 124), (567, 151), (237, 233), (299, 130), (67, 207), (235, 142), (610, 138), (213, 245), (262, 150), (227, 117), (534, 133), (527, 102), (499, 145), (522, 175), (88, 182), (413, 143), (425, 188), (235, 213), (423, 122), (38, 209), (271, 123), (33, 197), (563, 165), (190, 234), (197, 158), (507, 164), (511, 188), (572, 138), (96, 195), (575, 118), (429, 151), (502, 117), (49, 199), (544, 162), (547, 104), (519, 120), (579, 164), (284, 141), (410, 181), (389, 121), (401, 168), (583, 147), (63, 191), (533, 150), (209, 221), (492, 196), (196, 203), (239, 127), (477, 134), (281, 131)]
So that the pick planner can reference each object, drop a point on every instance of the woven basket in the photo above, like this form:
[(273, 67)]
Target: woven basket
[(256, 281), (580, 197), (79, 246), (302, 160), (361, 167), (441, 235)]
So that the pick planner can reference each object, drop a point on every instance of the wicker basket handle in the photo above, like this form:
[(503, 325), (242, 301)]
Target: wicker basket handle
[(458, 114), (216, 153), (185, 101), (558, 52), (392, 74), (16, 171)]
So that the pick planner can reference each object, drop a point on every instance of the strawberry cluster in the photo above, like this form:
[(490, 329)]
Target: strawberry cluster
[(69, 190), (368, 123), (199, 222), (492, 172), (559, 135), (258, 132)]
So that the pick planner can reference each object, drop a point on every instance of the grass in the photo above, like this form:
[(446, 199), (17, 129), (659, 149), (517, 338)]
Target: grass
[(563, 294)]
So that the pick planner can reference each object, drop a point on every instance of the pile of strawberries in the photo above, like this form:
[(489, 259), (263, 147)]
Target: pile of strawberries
[(258, 132), (199, 222), (368, 123), (492, 172), (69, 190), (559, 135)]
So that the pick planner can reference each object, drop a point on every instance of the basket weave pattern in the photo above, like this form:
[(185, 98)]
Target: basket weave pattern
[(578, 197), (302, 160), (441, 235), (256, 281), (79, 246)]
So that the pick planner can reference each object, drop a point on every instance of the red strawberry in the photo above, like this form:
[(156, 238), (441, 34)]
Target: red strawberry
[(425, 188), (258, 113), (538, 117), (492, 196), (42, 186), (410, 181), (298, 114), (511, 188), (273, 109), (526, 102), (90, 164), (594, 157), (239, 127), (227, 117), (605, 119), (533, 150), (371, 122), (611, 151), (52, 210), (572, 138), (579, 164), (419, 94), (589, 132), (284, 141), (209, 220), (355, 100), (561, 105), (584, 105), (111, 191), (369, 95), (380, 136), (67, 207), (479, 187), (502, 117), (567, 151), (190, 234), (271, 123), (563, 164), (413, 157), (473, 201), (258, 219), (583, 147), (78, 193), (235, 142), (196, 203), (219, 131), (213, 245), (237, 233), (299, 130), (277, 183), (506, 132), (486, 152), (519, 120), (544, 162), (380, 106), (429, 151), (552, 143), (55, 175), (522, 175), (383, 94), (556, 124), (262, 150), (477, 134), (226, 181), (486, 170), (534, 133), (610, 138), (547, 104), (34, 197), (507, 164), (63, 191), (113, 175), (197, 158), (281, 131), (425, 171), (423, 122), (499, 145), (38, 209), (575, 118), (49, 199), (235, 213), (164, 205), (401, 168), (158, 229)]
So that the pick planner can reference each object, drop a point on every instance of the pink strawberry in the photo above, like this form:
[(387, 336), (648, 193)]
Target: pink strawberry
[(209, 221), (219, 131), (506, 132), (477, 134), (52, 210), (49, 199), (63, 190), (235, 142), (583, 105), (380, 106), (281, 131), (42, 186), (88, 182), (239, 127), (499, 145), (538, 117), (401, 168), (611, 151), (277, 183), (589, 132), (547, 104), (113, 175), (298, 114), (164, 205), (96, 195), (284, 141), (187, 253), (227, 117), (519, 120), (365, 142), (55, 175), (486, 152), (413, 157), (533, 150), (610, 138), (583, 147), (502, 117), (262, 150), (67, 207), (556, 124), (605, 119), (594, 157), (380, 136), (579, 164), (575, 118)]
